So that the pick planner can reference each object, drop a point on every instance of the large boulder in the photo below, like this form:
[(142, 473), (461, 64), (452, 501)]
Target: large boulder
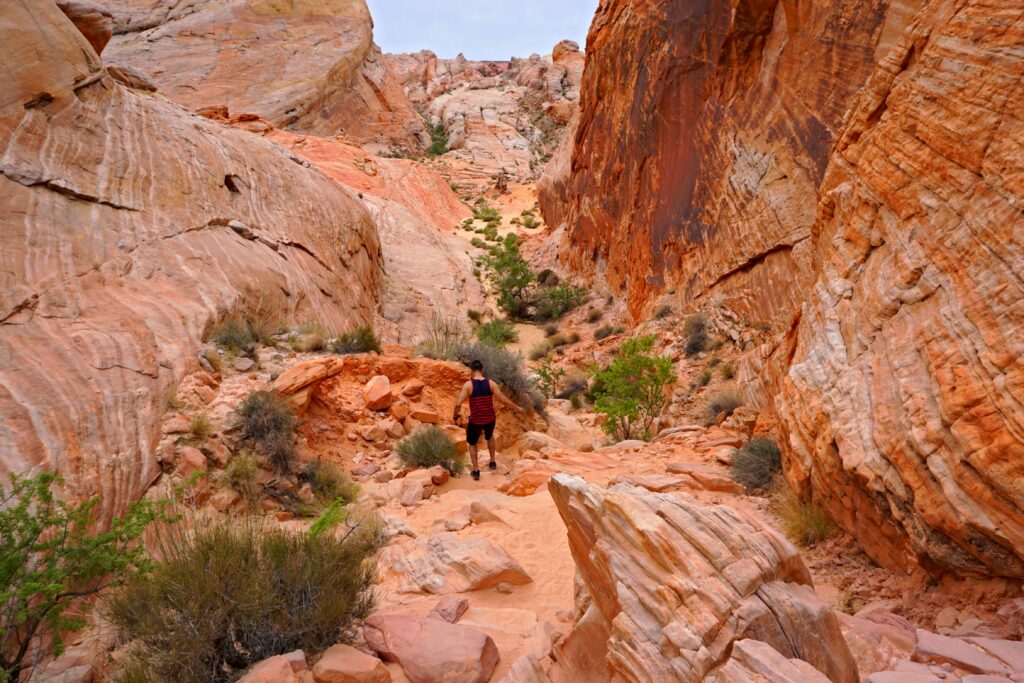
[(344, 664), (432, 650), (672, 586), (446, 563), (377, 393), (119, 252)]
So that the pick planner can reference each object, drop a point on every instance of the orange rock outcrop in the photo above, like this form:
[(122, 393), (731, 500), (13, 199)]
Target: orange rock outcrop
[(904, 399), (309, 66), (704, 133), (128, 227)]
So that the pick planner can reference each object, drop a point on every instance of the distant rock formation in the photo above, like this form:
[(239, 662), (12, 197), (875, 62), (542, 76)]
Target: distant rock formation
[(128, 228), (307, 66)]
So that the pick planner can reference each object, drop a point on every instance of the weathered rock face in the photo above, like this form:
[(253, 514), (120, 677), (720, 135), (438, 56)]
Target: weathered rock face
[(671, 586), (310, 66), (127, 227), (500, 117), (705, 130), (905, 396)]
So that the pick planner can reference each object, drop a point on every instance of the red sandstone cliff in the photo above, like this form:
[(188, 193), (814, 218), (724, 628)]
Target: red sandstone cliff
[(127, 227), (704, 133), (904, 400), (308, 66)]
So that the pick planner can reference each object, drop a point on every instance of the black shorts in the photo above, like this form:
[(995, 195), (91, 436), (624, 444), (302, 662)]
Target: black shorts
[(473, 432)]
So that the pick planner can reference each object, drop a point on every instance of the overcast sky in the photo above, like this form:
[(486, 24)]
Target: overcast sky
[(480, 29)]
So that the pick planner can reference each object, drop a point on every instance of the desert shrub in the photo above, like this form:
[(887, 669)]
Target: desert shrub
[(698, 322), (52, 558), (540, 350), (728, 371), (703, 379), (663, 312), (232, 334), (505, 368), (438, 143), (228, 594), (713, 361), (267, 424), (475, 315), (695, 329), (360, 340), (696, 342), (574, 338), (529, 222), (201, 427), (497, 332), (443, 338), (213, 358), (329, 483), (548, 378), (486, 213), (311, 337), (631, 389), (804, 522), (576, 401), (554, 302), (241, 474), (756, 463), (429, 446), (558, 340), (548, 278), (727, 401), (551, 329), (603, 332), (510, 274), (490, 233), (593, 315)]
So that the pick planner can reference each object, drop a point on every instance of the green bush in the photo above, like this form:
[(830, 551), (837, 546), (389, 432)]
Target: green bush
[(234, 335), (727, 401), (490, 233), (756, 463), (267, 424), (438, 143), (311, 337), (505, 368), (329, 483), (510, 274), (487, 214), (229, 594), (201, 427), (540, 350), (429, 446), (728, 372), (548, 278), (554, 302), (631, 390), (53, 560), (548, 378), (498, 332), (475, 315), (361, 340), (241, 474), (443, 339), (703, 379), (607, 331), (804, 522), (479, 243)]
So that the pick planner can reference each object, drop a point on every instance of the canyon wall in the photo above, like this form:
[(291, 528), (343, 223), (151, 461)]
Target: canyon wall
[(904, 400), (307, 65), (128, 227), (705, 130)]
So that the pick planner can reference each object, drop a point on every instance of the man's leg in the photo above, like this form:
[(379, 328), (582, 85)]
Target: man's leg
[(490, 447), (473, 457)]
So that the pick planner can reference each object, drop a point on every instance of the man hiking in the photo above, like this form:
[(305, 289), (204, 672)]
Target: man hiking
[(481, 392)]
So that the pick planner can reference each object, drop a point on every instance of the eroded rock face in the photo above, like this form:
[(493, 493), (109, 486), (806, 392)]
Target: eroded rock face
[(905, 397), (671, 586), (704, 133), (307, 65), (127, 228)]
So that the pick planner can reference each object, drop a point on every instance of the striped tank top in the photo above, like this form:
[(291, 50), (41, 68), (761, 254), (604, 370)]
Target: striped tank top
[(481, 403)]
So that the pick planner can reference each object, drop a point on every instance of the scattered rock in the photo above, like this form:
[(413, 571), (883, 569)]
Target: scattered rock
[(446, 563), (243, 364), (377, 393), (432, 650), (345, 664), (274, 670), (450, 608)]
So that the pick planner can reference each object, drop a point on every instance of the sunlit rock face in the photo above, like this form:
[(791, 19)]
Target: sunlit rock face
[(128, 227), (705, 131), (904, 400), (307, 65)]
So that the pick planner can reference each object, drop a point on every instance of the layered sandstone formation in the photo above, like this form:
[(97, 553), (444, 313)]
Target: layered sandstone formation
[(704, 133), (128, 227), (501, 118), (905, 396), (305, 65), (674, 590)]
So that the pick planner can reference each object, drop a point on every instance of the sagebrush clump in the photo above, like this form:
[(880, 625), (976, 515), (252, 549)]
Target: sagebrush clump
[(429, 446), (360, 340), (497, 332), (725, 401), (228, 594), (803, 521), (267, 423), (756, 463)]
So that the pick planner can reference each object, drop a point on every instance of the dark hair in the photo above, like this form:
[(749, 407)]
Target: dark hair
[(476, 366)]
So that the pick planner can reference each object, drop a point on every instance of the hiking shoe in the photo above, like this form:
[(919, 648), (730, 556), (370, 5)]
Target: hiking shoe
[(492, 465), (475, 474)]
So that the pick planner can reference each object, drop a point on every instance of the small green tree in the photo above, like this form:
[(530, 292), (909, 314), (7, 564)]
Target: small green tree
[(631, 389), (548, 378), (510, 274), (51, 558)]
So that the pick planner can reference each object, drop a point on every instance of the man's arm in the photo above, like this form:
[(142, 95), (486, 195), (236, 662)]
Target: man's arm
[(457, 413), (505, 399)]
